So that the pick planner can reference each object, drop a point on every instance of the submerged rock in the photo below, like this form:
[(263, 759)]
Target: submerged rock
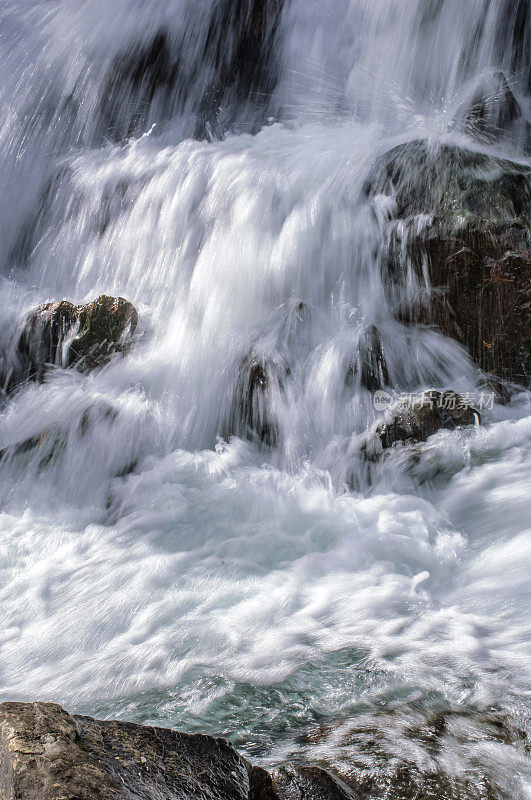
[(417, 417), (242, 45), (410, 753), (462, 223), (83, 337), (233, 71)]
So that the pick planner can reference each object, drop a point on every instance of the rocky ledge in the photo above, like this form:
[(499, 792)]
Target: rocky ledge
[(48, 754)]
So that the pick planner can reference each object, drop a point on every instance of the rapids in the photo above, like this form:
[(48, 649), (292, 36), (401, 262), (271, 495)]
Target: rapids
[(206, 161)]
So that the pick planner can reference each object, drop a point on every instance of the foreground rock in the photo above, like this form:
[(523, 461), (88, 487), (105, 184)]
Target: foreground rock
[(83, 337), (47, 754), (461, 223), (418, 417)]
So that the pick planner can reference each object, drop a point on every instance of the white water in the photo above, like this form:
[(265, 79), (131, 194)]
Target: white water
[(223, 586)]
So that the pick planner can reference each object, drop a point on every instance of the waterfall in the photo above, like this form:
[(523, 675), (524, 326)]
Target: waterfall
[(196, 519)]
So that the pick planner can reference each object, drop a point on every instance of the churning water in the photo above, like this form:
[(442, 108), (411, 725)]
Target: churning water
[(205, 160)]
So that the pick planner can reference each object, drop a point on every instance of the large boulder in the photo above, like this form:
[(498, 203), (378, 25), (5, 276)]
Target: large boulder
[(83, 337), (461, 220), (47, 754)]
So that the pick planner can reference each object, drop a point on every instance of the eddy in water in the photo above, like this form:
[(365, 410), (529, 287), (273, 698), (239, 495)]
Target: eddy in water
[(264, 366)]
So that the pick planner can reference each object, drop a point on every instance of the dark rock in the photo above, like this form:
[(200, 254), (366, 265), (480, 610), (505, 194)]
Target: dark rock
[(501, 390), (418, 417), (260, 382), (264, 374), (47, 754), (474, 241), (236, 62), (410, 753), (514, 38), (140, 85), (242, 45), (370, 363), (65, 335), (482, 297), (261, 785), (492, 112), (449, 181), (310, 783)]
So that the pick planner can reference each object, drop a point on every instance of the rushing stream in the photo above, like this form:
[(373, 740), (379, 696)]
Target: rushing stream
[(206, 160)]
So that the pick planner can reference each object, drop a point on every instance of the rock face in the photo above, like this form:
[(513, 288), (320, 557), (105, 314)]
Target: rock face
[(149, 81), (47, 754), (483, 276), (421, 417), (462, 223), (81, 336)]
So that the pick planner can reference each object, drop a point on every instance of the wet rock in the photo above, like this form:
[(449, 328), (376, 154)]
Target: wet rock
[(492, 112), (235, 61), (47, 754), (370, 364), (410, 753), (84, 337), (462, 222), (481, 276), (245, 74), (417, 417), (446, 181), (514, 37), (310, 783), (141, 83), (266, 372), (260, 382), (501, 390)]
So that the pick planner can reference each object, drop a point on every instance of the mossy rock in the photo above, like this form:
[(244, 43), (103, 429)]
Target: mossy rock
[(64, 335), (446, 181)]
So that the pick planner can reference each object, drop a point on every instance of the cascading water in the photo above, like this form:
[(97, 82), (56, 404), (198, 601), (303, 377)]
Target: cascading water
[(196, 540)]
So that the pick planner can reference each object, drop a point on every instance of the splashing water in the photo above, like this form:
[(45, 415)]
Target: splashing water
[(208, 163)]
